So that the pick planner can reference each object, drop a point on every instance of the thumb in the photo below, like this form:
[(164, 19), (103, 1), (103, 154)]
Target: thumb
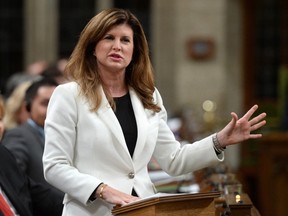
[(232, 123), (234, 117)]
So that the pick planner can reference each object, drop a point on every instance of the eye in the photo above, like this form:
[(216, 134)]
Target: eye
[(126, 40), (108, 37)]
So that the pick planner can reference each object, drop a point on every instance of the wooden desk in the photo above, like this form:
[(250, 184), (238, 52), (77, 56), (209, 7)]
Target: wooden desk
[(237, 208), (200, 204)]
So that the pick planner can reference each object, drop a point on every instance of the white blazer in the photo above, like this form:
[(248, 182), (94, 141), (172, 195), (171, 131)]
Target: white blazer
[(84, 148)]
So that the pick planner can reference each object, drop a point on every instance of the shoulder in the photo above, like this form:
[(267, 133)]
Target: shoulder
[(23, 135), (67, 87), (65, 92), (157, 97), (19, 130), (64, 101), (158, 100), (7, 160), (6, 155)]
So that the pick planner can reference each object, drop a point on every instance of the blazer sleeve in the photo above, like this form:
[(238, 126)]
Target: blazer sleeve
[(60, 141), (176, 159)]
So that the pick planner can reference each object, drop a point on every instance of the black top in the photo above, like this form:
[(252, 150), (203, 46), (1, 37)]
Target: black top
[(125, 114)]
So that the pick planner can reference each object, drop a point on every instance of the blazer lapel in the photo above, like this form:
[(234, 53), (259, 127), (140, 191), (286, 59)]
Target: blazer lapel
[(142, 123), (106, 113)]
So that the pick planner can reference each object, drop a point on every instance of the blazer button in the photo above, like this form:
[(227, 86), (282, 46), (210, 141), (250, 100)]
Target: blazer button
[(131, 175)]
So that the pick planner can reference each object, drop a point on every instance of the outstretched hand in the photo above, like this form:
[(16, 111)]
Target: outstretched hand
[(239, 130)]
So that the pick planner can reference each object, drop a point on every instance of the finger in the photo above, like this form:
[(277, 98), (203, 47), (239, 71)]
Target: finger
[(123, 203), (257, 119), (258, 125), (250, 112), (255, 136), (231, 125), (135, 198), (130, 198), (234, 118)]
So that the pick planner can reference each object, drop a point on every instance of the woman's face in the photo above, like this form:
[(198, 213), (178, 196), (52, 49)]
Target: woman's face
[(114, 51)]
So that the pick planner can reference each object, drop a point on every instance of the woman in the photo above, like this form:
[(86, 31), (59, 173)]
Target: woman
[(103, 128), (16, 113)]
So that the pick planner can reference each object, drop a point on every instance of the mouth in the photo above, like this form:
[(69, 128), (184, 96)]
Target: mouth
[(115, 56)]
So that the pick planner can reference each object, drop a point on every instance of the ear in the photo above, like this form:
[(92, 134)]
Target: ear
[(28, 105)]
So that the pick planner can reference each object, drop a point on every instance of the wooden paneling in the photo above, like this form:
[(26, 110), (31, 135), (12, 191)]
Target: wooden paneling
[(265, 55), (273, 175)]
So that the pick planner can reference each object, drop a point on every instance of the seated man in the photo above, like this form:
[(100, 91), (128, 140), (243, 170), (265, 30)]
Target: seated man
[(23, 195), (26, 142)]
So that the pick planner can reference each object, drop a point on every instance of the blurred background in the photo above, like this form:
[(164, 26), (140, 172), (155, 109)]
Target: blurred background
[(210, 57)]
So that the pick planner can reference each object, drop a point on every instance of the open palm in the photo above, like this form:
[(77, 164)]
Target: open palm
[(238, 130)]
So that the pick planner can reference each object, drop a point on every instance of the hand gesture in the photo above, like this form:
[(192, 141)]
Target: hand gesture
[(117, 197), (238, 130)]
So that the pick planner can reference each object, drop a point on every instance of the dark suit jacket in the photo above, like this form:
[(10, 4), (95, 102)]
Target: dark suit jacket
[(25, 143), (27, 197)]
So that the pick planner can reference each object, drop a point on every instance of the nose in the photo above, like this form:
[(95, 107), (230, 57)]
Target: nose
[(116, 45)]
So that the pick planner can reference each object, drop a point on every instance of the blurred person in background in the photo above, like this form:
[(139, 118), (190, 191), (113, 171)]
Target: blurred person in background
[(61, 64), (26, 142), (15, 80), (35, 71), (36, 67), (16, 112), (19, 195), (55, 71)]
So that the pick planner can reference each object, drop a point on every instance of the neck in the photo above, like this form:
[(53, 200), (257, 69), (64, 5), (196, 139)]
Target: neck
[(117, 90), (115, 85)]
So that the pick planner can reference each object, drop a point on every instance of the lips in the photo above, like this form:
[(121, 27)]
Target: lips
[(116, 56)]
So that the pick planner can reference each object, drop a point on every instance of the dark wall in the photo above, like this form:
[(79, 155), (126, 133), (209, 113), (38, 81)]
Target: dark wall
[(11, 39), (73, 15)]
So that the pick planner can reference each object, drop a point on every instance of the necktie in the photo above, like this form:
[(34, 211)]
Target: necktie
[(4, 207)]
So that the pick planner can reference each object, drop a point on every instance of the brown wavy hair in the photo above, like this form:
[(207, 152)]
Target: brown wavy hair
[(82, 65)]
